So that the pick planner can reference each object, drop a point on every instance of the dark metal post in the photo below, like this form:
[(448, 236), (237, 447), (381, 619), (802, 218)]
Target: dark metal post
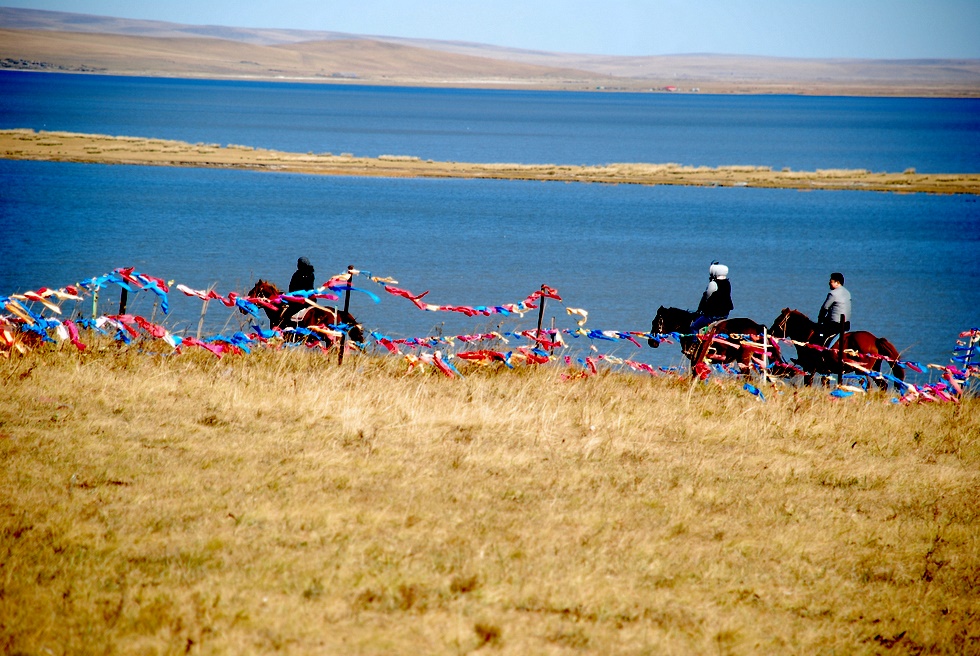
[(840, 351), (123, 298), (343, 334), (540, 312), (970, 350)]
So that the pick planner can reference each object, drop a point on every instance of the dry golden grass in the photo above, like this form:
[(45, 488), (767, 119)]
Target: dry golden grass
[(280, 503), (71, 147)]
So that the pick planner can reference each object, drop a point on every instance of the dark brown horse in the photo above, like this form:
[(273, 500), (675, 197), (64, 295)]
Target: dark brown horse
[(286, 314), (732, 340), (863, 351)]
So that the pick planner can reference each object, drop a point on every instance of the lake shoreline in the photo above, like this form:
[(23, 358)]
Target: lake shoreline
[(27, 144), (576, 84)]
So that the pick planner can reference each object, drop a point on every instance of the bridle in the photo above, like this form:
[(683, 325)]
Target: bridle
[(783, 324), (264, 289)]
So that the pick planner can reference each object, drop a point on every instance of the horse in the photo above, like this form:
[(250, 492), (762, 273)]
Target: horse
[(863, 350), (303, 315), (734, 349)]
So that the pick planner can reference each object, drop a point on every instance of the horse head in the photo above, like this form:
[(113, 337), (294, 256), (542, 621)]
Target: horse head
[(670, 320), (657, 327), (267, 290), (794, 325), (263, 289), (780, 326)]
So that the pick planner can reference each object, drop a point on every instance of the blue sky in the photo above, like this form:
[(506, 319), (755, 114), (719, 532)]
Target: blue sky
[(881, 29)]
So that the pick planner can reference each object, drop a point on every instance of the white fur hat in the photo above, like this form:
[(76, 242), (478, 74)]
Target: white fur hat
[(718, 271)]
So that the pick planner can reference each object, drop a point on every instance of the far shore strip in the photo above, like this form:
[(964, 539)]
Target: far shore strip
[(26, 144)]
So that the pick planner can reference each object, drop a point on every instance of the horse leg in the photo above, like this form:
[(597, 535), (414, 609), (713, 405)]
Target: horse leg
[(279, 323), (899, 373), (882, 384), (699, 355), (744, 358), (887, 348)]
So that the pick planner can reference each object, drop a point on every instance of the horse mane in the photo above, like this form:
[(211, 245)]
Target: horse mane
[(676, 314), (798, 313), (788, 314), (264, 286)]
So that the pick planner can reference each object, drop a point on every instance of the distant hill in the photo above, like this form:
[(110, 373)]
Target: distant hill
[(59, 41), (355, 59)]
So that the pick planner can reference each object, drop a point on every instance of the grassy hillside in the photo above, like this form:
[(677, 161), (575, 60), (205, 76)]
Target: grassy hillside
[(278, 502), (48, 40), (354, 59)]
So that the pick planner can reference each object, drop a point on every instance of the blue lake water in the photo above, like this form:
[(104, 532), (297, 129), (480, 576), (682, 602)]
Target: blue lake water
[(803, 133), (911, 261)]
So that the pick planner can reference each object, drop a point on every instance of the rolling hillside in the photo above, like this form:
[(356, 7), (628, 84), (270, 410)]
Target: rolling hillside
[(44, 40)]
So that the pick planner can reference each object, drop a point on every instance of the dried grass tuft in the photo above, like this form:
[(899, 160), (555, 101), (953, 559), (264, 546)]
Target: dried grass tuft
[(279, 502)]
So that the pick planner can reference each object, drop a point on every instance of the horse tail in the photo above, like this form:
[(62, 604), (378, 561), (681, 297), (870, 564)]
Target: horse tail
[(354, 332), (888, 349)]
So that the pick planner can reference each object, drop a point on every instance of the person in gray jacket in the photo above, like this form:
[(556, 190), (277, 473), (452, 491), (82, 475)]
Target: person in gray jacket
[(836, 306)]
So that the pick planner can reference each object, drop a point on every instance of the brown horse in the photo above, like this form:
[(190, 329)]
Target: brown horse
[(863, 351), (303, 315), (737, 347)]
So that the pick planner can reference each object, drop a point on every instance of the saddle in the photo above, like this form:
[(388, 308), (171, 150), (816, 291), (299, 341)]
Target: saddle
[(699, 346), (828, 341), (308, 308), (708, 327), (296, 318), (830, 333)]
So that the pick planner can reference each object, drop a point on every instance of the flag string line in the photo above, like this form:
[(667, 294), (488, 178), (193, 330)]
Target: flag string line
[(23, 315)]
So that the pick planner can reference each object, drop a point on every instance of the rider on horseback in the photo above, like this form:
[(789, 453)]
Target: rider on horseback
[(302, 280), (716, 302), (835, 307)]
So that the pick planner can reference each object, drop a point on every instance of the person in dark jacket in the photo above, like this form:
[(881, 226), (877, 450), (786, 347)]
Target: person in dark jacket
[(303, 277), (716, 301), (302, 280)]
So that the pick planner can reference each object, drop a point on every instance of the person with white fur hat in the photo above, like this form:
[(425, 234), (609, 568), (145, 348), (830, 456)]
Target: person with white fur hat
[(716, 302)]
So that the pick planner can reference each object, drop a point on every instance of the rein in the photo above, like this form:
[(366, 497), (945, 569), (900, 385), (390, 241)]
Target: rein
[(783, 324)]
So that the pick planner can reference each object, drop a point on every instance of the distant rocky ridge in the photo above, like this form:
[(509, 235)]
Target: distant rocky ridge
[(45, 40), (28, 65)]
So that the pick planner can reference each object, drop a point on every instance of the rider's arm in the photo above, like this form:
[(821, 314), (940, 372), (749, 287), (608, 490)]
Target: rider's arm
[(825, 308), (712, 288)]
